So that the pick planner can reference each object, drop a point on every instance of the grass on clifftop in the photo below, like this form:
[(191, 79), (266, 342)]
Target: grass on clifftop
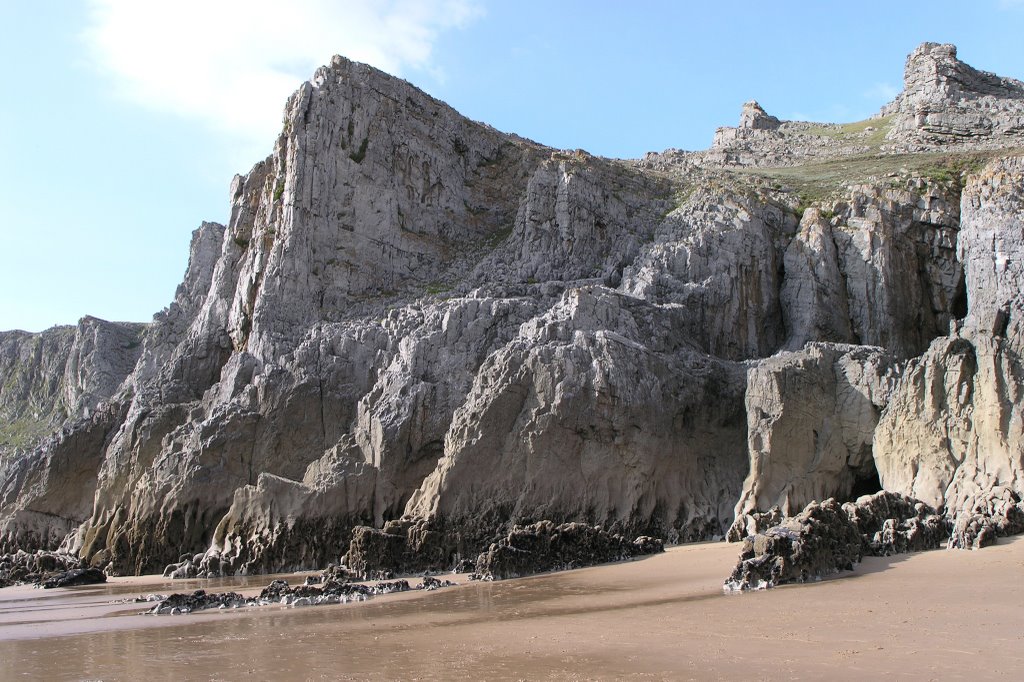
[(819, 181), (870, 132)]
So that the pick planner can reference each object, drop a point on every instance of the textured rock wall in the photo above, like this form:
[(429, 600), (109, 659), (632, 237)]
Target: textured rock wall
[(811, 417), (598, 397), (959, 404), (881, 270)]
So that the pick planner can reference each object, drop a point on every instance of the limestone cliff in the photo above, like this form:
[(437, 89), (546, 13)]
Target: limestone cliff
[(416, 323)]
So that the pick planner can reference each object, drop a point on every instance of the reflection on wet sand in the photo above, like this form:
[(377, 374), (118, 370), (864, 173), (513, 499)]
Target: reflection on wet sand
[(664, 617)]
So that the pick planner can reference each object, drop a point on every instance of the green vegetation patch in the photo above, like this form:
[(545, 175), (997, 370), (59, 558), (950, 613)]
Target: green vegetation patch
[(360, 153), (818, 182), (870, 132)]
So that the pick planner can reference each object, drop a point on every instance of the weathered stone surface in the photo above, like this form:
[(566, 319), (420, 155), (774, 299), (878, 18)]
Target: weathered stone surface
[(33, 567), (200, 600), (881, 270), (959, 404), (714, 267), (945, 101), (279, 592), (985, 516), (890, 523), (811, 416), (603, 397), (826, 538), (60, 375)]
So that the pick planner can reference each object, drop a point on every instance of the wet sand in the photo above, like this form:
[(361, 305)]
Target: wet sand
[(934, 615)]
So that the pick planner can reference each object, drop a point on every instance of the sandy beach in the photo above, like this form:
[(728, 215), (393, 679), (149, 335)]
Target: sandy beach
[(935, 615)]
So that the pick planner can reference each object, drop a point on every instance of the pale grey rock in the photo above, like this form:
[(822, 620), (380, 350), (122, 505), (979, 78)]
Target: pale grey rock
[(762, 140), (601, 396), (102, 355), (959, 404), (54, 419), (33, 368), (992, 250), (372, 186), (419, 326), (811, 416), (945, 101), (713, 264), (581, 219), (882, 270), (406, 379)]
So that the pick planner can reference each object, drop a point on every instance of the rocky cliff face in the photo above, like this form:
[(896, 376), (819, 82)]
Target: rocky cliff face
[(418, 324)]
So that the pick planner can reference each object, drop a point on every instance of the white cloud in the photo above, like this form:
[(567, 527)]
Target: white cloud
[(232, 63)]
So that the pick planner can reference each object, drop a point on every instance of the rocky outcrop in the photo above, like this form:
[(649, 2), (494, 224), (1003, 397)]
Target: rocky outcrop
[(596, 396), (880, 268), (817, 542), (545, 547), (34, 567), (945, 101), (945, 105), (826, 538), (74, 578), (417, 334), (279, 592), (811, 416), (58, 375), (890, 523)]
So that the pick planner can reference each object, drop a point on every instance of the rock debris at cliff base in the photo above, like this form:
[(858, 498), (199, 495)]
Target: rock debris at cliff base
[(418, 338)]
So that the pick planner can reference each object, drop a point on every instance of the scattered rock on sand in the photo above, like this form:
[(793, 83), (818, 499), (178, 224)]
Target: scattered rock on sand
[(280, 592)]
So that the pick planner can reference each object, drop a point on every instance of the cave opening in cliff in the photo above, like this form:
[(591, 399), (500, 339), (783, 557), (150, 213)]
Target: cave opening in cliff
[(866, 482)]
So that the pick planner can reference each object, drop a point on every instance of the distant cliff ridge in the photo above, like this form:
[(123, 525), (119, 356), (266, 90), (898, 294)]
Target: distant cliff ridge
[(416, 324)]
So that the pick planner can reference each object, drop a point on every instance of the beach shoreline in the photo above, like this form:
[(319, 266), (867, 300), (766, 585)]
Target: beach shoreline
[(931, 615)]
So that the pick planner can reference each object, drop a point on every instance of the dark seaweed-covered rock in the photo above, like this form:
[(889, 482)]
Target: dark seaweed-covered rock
[(22, 567), (544, 546), (403, 546), (430, 583), (753, 523), (375, 553), (819, 541), (76, 576), (891, 523), (280, 592), (199, 600), (995, 513)]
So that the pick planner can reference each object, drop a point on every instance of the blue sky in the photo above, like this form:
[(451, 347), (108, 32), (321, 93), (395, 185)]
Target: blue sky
[(123, 121)]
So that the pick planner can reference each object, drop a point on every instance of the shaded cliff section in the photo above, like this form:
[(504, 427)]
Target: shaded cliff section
[(420, 325)]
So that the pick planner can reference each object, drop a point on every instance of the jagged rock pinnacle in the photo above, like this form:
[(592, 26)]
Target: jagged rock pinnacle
[(754, 117)]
